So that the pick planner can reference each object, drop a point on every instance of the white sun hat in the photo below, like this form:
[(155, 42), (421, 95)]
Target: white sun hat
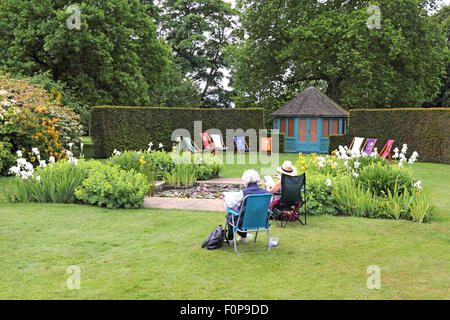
[(288, 169)]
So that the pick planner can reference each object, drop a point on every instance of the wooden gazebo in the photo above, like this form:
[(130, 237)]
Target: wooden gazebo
[(308, 120)]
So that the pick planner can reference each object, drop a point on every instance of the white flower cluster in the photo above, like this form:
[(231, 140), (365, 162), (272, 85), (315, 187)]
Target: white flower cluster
[(402, 155), (323, 161), (116, 152), (71, 158), (418, 185), (344, 154), (150, 145), (24, 168)]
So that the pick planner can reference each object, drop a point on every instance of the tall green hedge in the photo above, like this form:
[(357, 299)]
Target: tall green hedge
[(132, 128), (423, 130)]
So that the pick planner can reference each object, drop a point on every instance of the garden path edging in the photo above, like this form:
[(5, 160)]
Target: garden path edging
[(184, 204)]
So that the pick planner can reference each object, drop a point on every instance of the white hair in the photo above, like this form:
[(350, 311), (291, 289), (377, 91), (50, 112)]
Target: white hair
[(250, 176)]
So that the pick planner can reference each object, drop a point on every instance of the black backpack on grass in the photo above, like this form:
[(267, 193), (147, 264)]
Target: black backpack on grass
[(215, 239)]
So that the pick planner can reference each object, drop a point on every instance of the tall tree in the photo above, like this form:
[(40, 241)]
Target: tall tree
[(199, 31), (443, 99), (108, 51), (335, 45)]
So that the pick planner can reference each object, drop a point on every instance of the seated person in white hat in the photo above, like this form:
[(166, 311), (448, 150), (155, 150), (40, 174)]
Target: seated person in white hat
[(288, 169)]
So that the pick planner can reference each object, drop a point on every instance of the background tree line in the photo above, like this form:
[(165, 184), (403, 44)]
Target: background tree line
[(175, 53)]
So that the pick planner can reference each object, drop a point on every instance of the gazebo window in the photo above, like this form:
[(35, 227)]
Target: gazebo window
[(291, 128), (283, 125), (313, 130), (335, 126), (302, 130), (325, 128)]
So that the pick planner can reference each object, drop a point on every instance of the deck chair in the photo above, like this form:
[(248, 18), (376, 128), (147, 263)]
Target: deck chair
[(253, 217), (386, 151), (241, 144), (266, 144), (369, 145), (293, 198), (191, 146), (207, 142), (218, 142), (355, 146)]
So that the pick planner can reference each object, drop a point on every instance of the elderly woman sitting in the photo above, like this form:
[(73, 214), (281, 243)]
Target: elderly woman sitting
[(250, 179)]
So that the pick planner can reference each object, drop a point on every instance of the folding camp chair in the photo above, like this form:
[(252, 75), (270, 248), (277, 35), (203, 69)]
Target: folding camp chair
[(386, 151), (241, 144), (253, 217), (293, 198), (266, 144), (369, 145), (355, 146), (219, 145), (191, 146), (207, 142)]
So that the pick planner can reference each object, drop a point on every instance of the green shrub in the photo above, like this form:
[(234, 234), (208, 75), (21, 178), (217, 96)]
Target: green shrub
[(420, 208), (353, 200), (55, 183), (133, 128), (382, 179), (160, 162), (6, 156), (320, 194), (113, 187), (423, 130)]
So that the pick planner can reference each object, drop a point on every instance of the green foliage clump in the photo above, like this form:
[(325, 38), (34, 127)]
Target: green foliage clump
[(384, 179), (181, 175), (6, 156), (55, 183), (159, 162), (363, 186), (320, 193), (165, 164), (286, 46), (126, 62), (113, 187)]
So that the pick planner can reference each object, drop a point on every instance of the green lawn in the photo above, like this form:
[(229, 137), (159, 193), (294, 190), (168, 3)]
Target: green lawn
[(156, 254)]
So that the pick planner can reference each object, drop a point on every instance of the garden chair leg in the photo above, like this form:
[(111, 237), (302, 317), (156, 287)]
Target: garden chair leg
[(256, 235)]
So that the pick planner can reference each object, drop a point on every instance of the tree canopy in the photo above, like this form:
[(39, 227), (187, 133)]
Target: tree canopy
[(198, 32), (112, 57), (287, 45)]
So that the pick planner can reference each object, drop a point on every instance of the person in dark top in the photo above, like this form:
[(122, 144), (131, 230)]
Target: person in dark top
[(250, 179)]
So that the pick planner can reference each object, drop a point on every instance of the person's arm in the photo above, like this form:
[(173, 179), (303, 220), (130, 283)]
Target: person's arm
[(276, 187)]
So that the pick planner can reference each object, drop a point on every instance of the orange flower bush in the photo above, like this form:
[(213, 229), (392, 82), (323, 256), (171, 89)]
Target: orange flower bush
[(32, 118)]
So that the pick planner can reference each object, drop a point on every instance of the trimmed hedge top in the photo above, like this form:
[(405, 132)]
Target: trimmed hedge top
[(425, 130), (132, 128)]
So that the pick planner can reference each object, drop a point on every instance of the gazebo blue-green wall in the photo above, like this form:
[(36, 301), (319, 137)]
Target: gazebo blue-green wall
[(308, 120), (307, 142)]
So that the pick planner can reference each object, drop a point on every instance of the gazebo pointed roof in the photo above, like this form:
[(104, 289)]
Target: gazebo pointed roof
[(311, 103)]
